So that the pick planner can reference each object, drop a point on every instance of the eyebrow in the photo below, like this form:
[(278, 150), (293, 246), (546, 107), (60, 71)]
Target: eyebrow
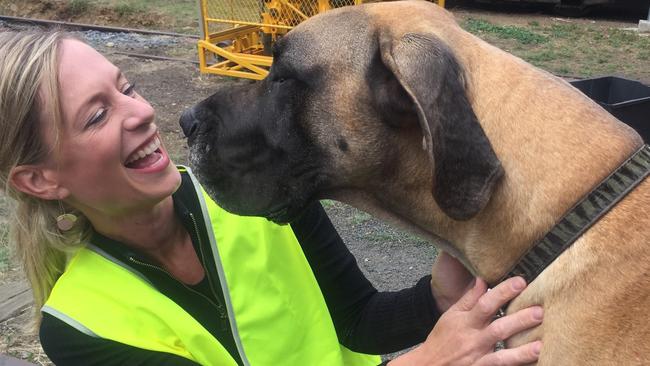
[(81, 117)]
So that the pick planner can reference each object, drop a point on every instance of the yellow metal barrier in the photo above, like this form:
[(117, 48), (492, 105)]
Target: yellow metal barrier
[(238, 34)]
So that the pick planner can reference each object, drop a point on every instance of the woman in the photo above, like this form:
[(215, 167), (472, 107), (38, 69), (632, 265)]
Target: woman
[(131, 264)]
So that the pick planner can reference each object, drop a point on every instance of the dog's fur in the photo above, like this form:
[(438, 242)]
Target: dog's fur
[(393, 108)]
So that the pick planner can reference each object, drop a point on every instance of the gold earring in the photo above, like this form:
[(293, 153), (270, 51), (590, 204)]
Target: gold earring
[(65, 221)]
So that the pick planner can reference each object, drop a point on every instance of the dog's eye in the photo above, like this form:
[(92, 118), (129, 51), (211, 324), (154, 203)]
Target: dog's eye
[(281, 78)]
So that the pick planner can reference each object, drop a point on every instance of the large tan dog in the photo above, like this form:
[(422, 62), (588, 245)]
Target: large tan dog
[(393, 108)]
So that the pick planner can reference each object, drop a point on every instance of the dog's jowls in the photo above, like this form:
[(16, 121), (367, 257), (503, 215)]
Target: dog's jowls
[(393, 108)]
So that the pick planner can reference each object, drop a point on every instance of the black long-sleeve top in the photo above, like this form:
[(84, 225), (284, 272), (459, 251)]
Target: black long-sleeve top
[(365, 320)]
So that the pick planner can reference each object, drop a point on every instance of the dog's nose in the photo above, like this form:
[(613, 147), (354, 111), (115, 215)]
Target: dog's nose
[(188, 122)]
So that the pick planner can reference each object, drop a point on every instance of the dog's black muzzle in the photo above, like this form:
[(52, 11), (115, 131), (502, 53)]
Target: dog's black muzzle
[(189, 123)]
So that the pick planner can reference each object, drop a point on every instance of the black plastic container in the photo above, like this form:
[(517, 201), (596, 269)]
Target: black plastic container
[(628, 100)]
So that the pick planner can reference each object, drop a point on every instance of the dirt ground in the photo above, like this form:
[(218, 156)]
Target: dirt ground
[(391, 259), (63, 10)]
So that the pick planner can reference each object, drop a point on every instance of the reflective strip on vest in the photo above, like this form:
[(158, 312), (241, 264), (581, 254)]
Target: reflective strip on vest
[(276, 309)]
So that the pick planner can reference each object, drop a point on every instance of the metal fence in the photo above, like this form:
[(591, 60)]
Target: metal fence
[(238, 34)]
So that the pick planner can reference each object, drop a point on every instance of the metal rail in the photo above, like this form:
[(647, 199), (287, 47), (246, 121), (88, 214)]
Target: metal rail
[(100, 28), (154, 57)]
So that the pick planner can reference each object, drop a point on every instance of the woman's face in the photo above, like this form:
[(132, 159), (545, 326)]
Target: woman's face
[(111, 159)]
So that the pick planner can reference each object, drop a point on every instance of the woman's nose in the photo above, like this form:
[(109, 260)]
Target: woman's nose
[(140, 113), (188, 122)]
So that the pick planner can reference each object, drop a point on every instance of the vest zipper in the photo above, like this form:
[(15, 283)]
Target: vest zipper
[(207, 273), (219, 307), (219, 267)]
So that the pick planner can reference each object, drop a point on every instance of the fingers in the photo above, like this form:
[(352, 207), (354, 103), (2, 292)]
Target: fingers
[(507, 326), (488, 304), (522, 355)]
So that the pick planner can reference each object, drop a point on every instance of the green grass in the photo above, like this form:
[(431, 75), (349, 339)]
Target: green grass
[(127, 9), (417, 239), (384, 237), (360, 217), (183, 14), (328, 203), (520, 34), (77, 7), (571, 49), (644, 55), (562, 31)]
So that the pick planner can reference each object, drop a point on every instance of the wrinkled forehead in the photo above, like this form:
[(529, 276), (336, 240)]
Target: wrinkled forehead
[(342, 37)]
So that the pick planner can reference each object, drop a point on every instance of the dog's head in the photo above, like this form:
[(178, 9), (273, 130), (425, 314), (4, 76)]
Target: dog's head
[(343, 86)]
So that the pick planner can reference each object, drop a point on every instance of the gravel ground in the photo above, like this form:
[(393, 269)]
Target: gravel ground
[(134, 42), (128, 41), (390, 258)]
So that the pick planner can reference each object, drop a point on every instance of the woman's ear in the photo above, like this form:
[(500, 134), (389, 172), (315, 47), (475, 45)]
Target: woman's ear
[(37, 181)]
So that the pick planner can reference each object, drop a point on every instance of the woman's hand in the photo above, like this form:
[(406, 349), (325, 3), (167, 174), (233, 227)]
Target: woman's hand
[(466, 334)]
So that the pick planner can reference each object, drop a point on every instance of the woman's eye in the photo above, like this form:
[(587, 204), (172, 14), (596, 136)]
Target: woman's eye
[(129, 90), (97, 117)]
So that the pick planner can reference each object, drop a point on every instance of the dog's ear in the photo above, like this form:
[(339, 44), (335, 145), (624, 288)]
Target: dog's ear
[(465, 167)]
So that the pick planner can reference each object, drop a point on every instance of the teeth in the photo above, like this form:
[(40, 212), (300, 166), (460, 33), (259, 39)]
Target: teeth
[(147, 150)]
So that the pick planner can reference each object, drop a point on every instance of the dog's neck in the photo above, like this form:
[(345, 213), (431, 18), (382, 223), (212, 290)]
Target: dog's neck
[(524, 206), (555, 145)]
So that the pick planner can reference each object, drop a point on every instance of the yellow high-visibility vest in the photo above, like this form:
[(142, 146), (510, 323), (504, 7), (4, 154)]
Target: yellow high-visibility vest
[(277, 313)]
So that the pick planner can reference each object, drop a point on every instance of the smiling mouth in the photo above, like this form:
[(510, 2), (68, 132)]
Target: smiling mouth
[(146, 156)]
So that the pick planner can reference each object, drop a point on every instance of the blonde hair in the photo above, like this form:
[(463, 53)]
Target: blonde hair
[(28, 77)]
